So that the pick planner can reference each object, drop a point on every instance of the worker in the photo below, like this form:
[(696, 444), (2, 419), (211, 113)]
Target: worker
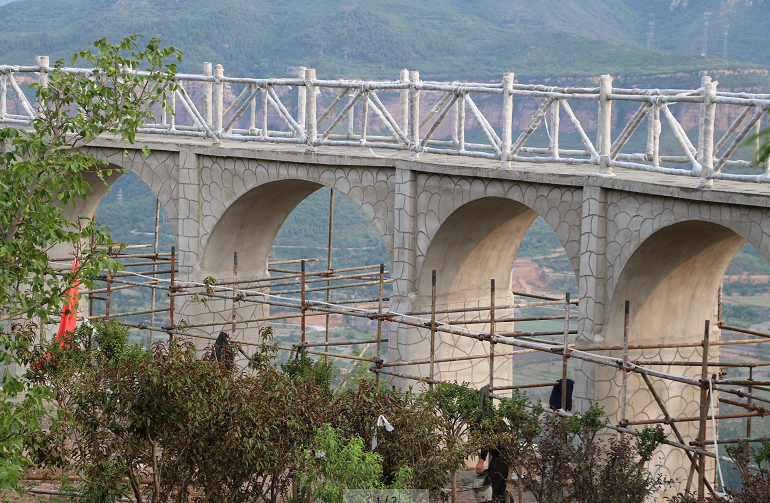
[(498, 469)]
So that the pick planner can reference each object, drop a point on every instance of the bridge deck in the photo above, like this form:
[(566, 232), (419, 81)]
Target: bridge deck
[(645, 182)]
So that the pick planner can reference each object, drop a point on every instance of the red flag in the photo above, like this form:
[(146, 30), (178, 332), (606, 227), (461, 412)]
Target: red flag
[(69, 309)]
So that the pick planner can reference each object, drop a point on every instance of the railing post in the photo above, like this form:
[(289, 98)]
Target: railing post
[(172, 119), (456, 123), (301, 98), (253, 114), (207, 91), (704, 81), (404, 102), (605, 126), (364, 116), (219, 91), (506, 140), (706, 136), (311, 109), (461, 122), (414, 113), (3, 96), (42, 75), (555, 129)]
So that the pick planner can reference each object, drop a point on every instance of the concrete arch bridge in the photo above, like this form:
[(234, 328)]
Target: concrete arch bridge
[(450, 188)]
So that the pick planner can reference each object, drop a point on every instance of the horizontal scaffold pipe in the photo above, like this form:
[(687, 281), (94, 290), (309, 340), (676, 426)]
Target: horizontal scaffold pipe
[(459, 358), (675, 345)]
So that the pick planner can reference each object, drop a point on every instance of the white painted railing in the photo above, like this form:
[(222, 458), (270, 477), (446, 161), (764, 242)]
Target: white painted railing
[(316, 128)]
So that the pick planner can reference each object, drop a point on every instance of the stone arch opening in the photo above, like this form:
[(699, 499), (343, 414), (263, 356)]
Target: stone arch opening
[(478, 242), (672, 282), (124, 202), (250, 226)]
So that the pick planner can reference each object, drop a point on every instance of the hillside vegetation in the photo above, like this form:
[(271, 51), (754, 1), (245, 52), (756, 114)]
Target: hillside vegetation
[(444, 39)]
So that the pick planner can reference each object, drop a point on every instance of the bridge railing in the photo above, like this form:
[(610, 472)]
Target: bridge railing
[(198, 106)]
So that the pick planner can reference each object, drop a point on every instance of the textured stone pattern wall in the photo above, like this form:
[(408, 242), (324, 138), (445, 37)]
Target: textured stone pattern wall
[(632, 218), (223, 180), (158, 170), (423, 204), (440, 195)]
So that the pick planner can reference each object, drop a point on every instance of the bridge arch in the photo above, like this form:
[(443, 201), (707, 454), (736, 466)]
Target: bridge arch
[(469, 230), (156, 170), (668, 258), (245, 202)]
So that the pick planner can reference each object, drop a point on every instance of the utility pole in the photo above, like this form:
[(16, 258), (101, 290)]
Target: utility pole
[(651, 32), (120, 197), (706, 35), (724, 44)]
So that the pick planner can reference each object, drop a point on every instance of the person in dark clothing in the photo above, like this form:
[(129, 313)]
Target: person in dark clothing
[(555, 400), (497, 472), (221, 351), (498, 469)]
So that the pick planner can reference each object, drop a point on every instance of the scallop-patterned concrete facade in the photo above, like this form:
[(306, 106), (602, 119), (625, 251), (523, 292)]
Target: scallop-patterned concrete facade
[(651, 239)]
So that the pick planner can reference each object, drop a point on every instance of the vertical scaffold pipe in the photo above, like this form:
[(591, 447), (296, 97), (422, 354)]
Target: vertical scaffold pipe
[(154, 268), (505, 161), (432, 317), (565, 353), (605, 126), (704, 402), (207, 94), (328, 268), (379, 319), (624, 384), (171, 297), (414, 115), (491, 335), (109, 295), (235, 287), (304, 310), (748, 419)]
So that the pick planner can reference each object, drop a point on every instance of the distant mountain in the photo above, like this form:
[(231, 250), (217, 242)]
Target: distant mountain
[(444, 39)]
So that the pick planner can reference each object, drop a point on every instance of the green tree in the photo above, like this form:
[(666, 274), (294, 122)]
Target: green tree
[(43, 172), (338, 463)]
